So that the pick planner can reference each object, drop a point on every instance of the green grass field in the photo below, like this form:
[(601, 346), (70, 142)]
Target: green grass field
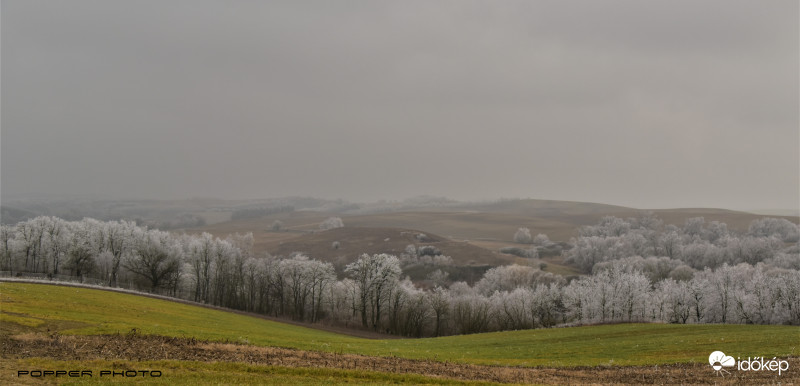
[(86, 311)]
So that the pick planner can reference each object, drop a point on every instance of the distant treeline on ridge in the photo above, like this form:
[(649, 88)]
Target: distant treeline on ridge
[(241, 214)]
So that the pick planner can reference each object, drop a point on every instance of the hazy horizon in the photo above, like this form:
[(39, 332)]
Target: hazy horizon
[(641, 104), (44, 198)]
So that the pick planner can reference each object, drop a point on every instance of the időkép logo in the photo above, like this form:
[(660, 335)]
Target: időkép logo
[(719, 361)]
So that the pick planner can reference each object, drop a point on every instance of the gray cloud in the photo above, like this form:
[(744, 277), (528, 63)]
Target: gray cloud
[(648, 104)]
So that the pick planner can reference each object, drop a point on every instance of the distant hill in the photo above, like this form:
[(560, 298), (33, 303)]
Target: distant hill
[(10, 216), (545, 208), (487, 225)]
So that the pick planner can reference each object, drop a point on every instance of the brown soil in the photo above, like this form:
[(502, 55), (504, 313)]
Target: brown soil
[(134, 346)]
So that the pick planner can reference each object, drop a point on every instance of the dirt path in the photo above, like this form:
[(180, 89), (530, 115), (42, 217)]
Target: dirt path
[(137, 347)]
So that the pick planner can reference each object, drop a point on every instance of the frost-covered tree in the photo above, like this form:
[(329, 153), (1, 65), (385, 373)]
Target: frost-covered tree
[(655, 268), (57, 238), (298, 289), (340, 301), (254, 284), (28, 240), (81, 250), (670, 244), (609, 295), (226, 278), (789, 288), (470, 313), (510, 277), (523, 235), (119, 242), (755, 299), (375, 276), (511, 309), (331, 223), (408, 311), (752, 250), (242, 242), (546, 305), (320, 275), (694, 227), (439, 301), (438, 278), (200, 254), (541, 239), (6, 247), (609, 226), (155, 258), (720, 286), (787, 260), (516, 251), (717, 231), (590, 250), (782, 228), (672, 301), (682, 273)]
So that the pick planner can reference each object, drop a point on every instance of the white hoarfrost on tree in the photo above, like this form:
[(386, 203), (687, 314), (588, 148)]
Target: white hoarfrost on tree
[(155, 258), (331, 223), (780, 227), (510, 277), (375, 277), (439, 301), (523, 235), (541, 240), (119, 242), (305, 282)]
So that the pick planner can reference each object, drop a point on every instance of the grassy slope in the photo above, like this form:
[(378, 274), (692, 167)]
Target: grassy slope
[(87, 311)]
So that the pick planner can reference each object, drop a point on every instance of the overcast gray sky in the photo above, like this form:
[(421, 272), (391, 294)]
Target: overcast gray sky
[(640, 103)]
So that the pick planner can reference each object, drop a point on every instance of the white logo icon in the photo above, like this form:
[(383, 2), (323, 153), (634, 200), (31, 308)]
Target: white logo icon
[(718, 360)]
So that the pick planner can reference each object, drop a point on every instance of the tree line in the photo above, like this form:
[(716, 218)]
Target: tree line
[(637, 270)]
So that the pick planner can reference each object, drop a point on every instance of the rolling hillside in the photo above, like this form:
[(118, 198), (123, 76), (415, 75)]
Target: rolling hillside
[(489, 226)]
